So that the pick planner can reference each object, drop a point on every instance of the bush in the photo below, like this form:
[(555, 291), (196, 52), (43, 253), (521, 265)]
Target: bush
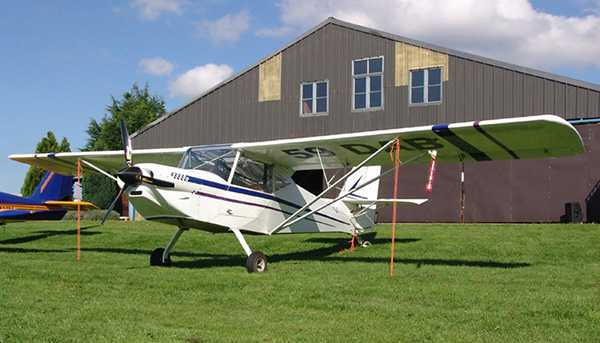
[(92, 215)]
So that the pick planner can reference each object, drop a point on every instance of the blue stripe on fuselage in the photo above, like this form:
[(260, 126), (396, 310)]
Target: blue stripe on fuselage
[(252, 193)]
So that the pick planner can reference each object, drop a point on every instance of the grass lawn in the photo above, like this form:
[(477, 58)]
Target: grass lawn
[(451, 283)]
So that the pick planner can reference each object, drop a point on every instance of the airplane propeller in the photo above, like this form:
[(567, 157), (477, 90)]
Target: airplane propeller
[(132, 176)]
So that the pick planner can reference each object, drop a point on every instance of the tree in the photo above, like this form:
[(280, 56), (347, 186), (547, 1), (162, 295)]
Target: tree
[(137, 108), (34, 175)]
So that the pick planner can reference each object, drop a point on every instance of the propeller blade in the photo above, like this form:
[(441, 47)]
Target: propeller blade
[(113, 204), (126, 144)]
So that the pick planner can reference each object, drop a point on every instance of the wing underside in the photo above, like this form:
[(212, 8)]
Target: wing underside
[(490, 140), (109, 161), (487, 140)]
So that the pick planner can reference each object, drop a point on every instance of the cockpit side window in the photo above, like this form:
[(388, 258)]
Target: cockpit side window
[(219, 160)]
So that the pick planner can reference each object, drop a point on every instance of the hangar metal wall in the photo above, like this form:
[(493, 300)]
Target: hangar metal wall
[(533, 190)]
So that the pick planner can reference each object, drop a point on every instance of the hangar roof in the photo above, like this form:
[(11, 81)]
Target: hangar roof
[(393, 37)]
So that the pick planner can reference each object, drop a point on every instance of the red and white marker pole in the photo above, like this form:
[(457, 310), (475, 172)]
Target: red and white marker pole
[(431, 175)]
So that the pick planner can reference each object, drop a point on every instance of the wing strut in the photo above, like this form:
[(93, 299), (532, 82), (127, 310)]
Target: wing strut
[(340, 197), (291, 218), (98, 169)]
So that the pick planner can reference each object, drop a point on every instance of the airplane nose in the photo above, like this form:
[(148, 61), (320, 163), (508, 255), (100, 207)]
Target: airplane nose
[(131, 176)]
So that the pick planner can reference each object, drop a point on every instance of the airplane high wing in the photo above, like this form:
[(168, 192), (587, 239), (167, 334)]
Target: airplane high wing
[(502, 139), (247, 187), (109, 161)]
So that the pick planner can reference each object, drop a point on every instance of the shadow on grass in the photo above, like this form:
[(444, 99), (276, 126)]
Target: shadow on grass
[(332, 253), (50, 233), (211, 260)]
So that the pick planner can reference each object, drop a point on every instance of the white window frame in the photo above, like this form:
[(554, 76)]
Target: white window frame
[(426, 87), (314, 99), (368, 91)]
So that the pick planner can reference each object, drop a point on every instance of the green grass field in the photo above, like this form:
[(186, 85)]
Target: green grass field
[(451, 283)]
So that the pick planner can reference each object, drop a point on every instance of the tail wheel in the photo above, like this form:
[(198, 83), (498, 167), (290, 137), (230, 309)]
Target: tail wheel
[(256, 262), (156, 258)]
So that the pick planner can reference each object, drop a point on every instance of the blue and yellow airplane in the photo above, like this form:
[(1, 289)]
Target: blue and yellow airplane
[(46, 203)]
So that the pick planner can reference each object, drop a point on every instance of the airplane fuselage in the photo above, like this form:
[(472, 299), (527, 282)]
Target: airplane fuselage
[(203, 200)]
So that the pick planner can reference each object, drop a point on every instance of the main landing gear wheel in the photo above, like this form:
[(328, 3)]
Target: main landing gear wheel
[(256, 262), (156, 258)]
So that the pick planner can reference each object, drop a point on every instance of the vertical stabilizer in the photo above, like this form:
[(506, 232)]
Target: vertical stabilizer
[(53, 187), (362, 176), (364, 215)]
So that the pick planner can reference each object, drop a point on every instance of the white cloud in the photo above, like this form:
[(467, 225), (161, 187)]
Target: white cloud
[(508, 30), (152, 9), (157, 66), (228, 28), (283, 31), (199, 79)]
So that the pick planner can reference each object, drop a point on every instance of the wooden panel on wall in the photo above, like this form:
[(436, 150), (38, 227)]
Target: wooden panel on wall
[(410, 57), (269, 83)]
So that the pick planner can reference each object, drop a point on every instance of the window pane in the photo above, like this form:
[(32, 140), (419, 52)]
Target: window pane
[(434, 93), (435, 76), (375, 83), (307, 92), (360, 67), (416, 96), (417, 78), (321, 89), (307, 106), (376, 65), (322, 105), (360, 101), (375, 99), (360, 85)]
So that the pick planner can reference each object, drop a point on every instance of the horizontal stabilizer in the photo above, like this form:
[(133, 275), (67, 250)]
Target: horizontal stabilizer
[(369, 202), (72, 205)]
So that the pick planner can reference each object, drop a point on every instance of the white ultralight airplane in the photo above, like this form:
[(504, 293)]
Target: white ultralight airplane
[(247, 187)]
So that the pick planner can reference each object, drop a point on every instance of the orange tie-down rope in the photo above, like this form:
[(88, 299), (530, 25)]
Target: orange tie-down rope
[(79, 170), (396, 160)]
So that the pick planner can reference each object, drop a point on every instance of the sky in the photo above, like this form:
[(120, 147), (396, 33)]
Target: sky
[(61, 62)]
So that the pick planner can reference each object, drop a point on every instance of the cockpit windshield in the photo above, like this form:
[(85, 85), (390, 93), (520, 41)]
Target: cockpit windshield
[(220, 159)]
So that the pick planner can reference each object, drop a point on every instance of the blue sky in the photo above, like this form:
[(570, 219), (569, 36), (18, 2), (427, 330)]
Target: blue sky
[(61, 61)]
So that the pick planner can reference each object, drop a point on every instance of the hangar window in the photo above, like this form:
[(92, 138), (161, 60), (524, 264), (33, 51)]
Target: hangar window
[(367, 83), (314, 98), (426, 86)]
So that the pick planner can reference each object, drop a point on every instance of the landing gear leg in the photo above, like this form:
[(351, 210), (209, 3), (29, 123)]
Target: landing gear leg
[(160, 256), (257, 261)]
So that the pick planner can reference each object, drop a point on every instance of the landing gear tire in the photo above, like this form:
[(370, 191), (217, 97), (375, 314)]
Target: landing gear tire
[(365, 244), (156, 258), (256, 262)]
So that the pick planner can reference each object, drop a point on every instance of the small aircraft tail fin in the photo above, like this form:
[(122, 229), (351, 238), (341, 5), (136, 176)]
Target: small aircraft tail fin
[(54, 187), (362, 202), (362, 176)]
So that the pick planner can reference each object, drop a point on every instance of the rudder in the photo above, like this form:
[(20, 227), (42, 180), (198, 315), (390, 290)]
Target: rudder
[(54, 187), (362, 176)]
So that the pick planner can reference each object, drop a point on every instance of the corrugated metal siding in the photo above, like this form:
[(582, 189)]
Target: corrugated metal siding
[(475, 90)]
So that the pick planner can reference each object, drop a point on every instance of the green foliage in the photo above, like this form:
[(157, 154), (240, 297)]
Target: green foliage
[(137, 108), (96, 215), (451, 283), (35, 175)]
